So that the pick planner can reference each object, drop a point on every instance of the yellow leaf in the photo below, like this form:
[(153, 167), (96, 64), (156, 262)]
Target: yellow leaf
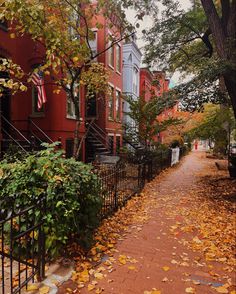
[(165, 268), (75, 59), (32, 287), (44, 290), (98, 276), (131, 267), (190, 290), (12, 36), (222, 290), (98, 291), (90, 287)]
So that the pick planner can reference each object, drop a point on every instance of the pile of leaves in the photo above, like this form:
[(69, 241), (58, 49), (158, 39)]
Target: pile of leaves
[(72, 194)]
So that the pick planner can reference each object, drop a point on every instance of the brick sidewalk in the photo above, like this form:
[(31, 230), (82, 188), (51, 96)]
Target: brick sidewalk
[(151, 256)]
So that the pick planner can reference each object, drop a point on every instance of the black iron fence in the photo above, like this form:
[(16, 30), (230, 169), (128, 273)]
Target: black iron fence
[(22, 240), (121, 181), (22, 247)]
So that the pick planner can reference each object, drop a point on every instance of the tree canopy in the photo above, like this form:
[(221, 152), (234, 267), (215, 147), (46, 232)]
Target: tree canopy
[(200, 43)]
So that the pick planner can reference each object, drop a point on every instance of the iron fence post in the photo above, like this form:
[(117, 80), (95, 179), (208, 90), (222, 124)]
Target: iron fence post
[(116, 178)]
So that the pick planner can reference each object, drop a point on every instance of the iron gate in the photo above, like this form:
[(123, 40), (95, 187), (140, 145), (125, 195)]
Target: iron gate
[(22, 247)]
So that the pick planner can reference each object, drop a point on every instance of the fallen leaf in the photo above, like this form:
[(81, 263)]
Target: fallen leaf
[(32, 287), (131, 267), (190, 290), (99, 276), (222, 290), (90, 287), (44, 290), (165, 268)]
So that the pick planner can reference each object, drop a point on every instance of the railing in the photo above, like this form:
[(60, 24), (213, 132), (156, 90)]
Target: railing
[(22, 247), (15, 141), (100, 135), (121, 181), (21, 136), (84, 136), (118, 184), (43, 137)]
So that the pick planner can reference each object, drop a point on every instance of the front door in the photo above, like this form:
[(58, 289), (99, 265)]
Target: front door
[(91, 107), (5, 107)]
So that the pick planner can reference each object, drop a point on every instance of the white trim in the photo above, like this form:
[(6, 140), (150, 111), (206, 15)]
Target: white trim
[(118, 89), (111, 134), (110, 84)]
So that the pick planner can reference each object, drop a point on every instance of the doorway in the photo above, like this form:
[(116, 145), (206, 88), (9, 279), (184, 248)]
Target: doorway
[(5, 105), (91, 107)]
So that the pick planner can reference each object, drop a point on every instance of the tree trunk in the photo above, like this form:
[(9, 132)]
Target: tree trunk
[(76, 139), (224, 38), (230, 84)]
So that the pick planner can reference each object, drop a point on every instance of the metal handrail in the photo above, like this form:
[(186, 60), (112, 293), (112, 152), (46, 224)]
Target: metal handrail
[(101, 135), (15, 129), (84, 137), (41, 131), (15, 140)]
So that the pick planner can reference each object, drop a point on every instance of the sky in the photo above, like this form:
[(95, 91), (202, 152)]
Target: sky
[(145, 24)]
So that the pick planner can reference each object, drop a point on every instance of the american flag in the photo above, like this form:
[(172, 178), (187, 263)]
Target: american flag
[(37, 79)]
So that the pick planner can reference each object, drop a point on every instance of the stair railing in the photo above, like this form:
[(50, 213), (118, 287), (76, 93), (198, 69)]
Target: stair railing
[(102, 136), (15, 129), (14, 140), (49, 140), (84, 137)]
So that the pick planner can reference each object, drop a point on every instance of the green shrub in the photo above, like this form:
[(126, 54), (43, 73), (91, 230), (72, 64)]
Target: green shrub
[(71, 189)]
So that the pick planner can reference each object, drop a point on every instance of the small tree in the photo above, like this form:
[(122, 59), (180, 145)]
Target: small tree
[(145, 124)]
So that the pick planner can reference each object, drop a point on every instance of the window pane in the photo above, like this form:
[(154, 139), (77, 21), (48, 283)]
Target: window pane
[(111, 106), (118, 58), (118, 105), (111, 55)]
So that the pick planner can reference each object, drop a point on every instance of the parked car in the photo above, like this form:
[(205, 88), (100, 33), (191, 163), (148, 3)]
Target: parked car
[(232, 161)]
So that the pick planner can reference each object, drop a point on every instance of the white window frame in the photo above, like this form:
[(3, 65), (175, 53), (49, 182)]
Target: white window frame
[(109, 117), (120, 65), (94, 43), (120, 105), (112, 49), (69, 100), (135, 78)]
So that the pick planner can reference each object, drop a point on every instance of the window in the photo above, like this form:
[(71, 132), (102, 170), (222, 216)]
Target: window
[(111, 104), (118, 105), (3, 25), (93, 43), (135, 81), (70, 107), (111, 55), (118, 58)]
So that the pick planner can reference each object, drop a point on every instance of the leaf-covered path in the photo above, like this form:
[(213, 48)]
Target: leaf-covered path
[(180, 240)]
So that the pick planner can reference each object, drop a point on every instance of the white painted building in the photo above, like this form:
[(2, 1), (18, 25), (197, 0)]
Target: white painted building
[(131, 73)]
